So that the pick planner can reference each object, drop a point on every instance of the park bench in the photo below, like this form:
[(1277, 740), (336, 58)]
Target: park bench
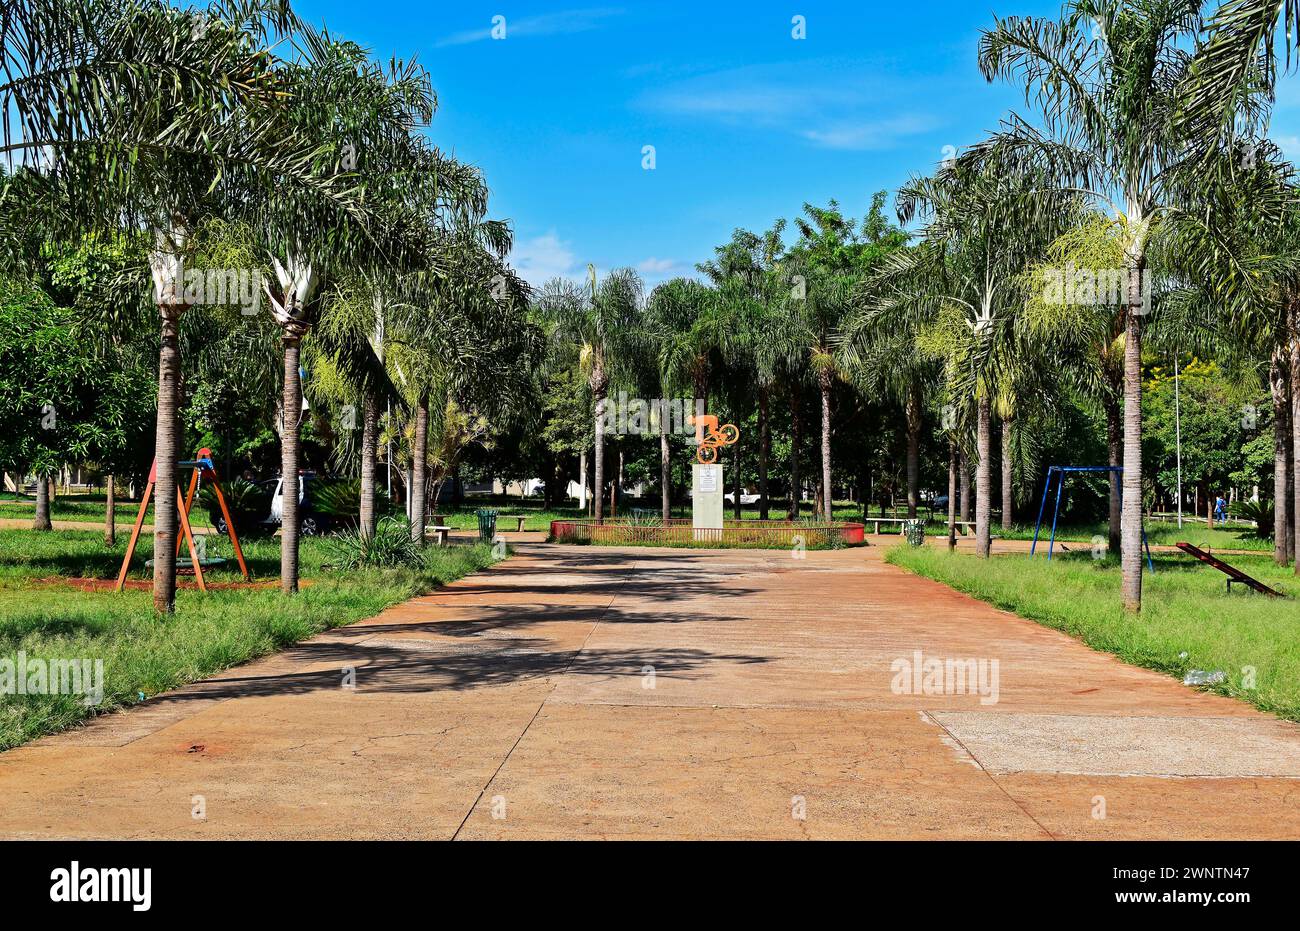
[(877, 521), (964, 527), (440, 533), (520, 518)]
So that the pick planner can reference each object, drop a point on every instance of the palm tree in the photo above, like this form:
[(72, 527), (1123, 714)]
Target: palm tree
[(459, 338), (1091, 335), (983, 224), (1111, 79), (878, 347), (349, 343), (680, 323), (832, 255), (151, 114), (754, 328), (606, 321), (369, 117), (1239, 285), (1236, 61)]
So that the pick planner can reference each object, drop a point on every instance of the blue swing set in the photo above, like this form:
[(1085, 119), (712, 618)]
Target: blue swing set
[(1059, 474)]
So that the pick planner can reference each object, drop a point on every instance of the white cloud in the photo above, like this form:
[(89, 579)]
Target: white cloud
[(655, 271), (653, 266), (563, 22), (542, 258), (873, 134), (814, 101)]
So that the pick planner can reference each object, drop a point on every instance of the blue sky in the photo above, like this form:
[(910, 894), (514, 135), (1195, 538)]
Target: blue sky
[(747, 122)]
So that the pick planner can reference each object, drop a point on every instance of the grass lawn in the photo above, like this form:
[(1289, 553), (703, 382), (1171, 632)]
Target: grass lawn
[(146, 653), (1185, 609), (90, 508), (1158, 534), (78, 508)]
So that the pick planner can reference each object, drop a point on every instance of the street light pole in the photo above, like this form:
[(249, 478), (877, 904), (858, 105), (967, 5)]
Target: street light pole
[(379, 351), (1178, 432)]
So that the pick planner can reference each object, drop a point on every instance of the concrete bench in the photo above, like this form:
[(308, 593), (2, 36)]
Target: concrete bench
[(875, 522), (964, 527), (439, 531), (520, 518)]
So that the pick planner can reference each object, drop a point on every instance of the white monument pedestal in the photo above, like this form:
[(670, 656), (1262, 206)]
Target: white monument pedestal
[(707, 502)]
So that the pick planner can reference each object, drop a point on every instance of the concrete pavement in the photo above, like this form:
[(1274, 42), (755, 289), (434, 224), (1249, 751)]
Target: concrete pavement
[(653, 693)]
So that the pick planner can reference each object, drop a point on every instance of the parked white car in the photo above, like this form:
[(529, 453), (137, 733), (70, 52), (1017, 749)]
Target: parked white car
[(745, 497), (309, 522)]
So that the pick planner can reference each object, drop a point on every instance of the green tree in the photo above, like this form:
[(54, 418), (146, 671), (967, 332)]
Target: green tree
[(61, 405), (1110, 79), (605, 321), (828, 261), (983, 224)]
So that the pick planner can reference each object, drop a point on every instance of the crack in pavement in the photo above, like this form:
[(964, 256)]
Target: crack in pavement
[(573, 657)]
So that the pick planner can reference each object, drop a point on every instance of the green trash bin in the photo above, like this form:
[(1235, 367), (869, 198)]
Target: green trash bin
[(487, 524), (914, 531)]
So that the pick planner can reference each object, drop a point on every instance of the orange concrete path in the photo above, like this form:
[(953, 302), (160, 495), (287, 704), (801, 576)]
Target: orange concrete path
[(646, 693)]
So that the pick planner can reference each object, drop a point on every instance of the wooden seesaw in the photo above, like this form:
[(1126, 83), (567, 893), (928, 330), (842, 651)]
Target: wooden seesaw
[(202, 468), (1232, 572)]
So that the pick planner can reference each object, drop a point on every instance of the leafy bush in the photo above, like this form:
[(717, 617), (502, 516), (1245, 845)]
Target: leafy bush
[(341, 500), (1261, 512), (249, 504), (391, 547)]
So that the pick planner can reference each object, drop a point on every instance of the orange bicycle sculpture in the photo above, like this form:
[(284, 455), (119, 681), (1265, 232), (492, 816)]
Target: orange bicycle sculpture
[(711, 437)]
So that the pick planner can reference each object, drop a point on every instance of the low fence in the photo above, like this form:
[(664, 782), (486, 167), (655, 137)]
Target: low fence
[(755, 534)]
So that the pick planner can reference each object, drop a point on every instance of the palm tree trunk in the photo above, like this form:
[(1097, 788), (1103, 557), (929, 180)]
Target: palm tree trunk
[(665, 466), (764, 450), (983, 481), (582, 481), (1131, 512), (369, 462), (616, 487), (1008, 492), (165, 456), (795, 490), (41, 521), (963, 475), (912, 411), (598, 457), (1278, 372), (736, 487), (1295, 424), (419, 460), (952, 493), (1115, 446), (110, 510), (289, 440), (1289, 497), (551, 494), (827, 491)]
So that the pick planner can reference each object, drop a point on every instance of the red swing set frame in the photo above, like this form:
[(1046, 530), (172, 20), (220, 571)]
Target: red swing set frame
[(202, 468)]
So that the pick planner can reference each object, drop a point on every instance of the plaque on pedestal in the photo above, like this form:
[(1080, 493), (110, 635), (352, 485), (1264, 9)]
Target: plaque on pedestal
[(707, 504)]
